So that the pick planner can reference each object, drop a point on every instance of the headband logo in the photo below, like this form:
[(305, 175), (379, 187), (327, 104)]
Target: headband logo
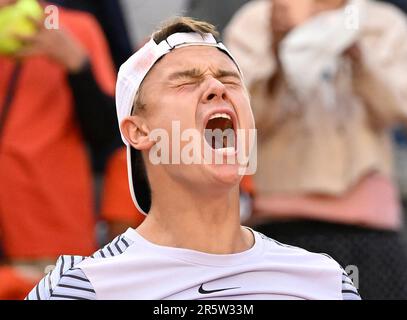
[(145, 61)]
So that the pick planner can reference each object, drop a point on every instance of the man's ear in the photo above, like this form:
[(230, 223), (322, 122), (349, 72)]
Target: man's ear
[(136, 132)]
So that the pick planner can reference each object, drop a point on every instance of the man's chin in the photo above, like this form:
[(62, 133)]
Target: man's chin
[(225, 174)]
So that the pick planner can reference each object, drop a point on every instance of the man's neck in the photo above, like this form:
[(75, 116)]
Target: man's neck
[(196, 222)]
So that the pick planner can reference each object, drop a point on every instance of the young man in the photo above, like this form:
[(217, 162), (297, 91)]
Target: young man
[(191, 244)]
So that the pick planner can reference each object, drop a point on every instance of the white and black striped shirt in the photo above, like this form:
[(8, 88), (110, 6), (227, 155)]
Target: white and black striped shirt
[(71, 279)]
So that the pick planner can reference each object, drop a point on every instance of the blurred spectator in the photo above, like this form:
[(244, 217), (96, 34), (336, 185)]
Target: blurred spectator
[(62, 99), (109, 14), (325, 97)]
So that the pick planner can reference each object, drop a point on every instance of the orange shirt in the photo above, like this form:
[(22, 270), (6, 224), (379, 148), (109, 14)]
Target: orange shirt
[(46, 201)]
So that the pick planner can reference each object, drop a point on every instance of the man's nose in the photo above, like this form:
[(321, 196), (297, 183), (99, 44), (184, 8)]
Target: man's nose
[(215, 90)]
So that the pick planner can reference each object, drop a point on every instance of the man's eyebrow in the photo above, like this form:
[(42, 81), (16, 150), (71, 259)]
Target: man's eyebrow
[(191, 73), (227, 73)]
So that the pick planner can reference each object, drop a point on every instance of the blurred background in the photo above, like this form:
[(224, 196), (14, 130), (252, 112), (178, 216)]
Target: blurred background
[(329, 93)]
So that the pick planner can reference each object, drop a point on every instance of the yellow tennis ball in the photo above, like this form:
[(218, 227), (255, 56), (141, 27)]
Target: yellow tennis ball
[(13, 20)]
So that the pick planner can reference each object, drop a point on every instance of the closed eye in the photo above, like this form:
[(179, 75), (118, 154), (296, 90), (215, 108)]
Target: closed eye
[(230, 81), (188, 83)]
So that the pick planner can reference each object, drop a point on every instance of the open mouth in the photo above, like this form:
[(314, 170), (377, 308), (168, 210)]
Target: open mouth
[(220, 132)]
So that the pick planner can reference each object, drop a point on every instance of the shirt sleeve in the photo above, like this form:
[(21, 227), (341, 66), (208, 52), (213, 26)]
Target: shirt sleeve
[(248, 38), (95, 110), (89, 33), (73, 285), (64, 282), (378, 77), (349, 292)]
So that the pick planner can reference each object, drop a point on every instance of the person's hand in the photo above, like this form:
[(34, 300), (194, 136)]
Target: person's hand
[(354, 53), (4, 3), (58, 45), (286, 15), (326, 5)]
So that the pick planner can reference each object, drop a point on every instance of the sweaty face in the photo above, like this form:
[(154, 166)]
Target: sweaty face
[(199, 90)]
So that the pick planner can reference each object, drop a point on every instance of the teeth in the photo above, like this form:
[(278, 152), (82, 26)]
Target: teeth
[(220, 115), (229, 151)]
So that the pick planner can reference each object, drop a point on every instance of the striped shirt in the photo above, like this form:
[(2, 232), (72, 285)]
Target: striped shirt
[(71, 279)]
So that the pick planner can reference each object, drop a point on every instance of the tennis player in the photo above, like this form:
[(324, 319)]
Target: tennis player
[(191, 244)]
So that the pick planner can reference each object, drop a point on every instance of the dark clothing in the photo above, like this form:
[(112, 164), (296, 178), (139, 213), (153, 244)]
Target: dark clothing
[(95, 109), (96, 113)]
